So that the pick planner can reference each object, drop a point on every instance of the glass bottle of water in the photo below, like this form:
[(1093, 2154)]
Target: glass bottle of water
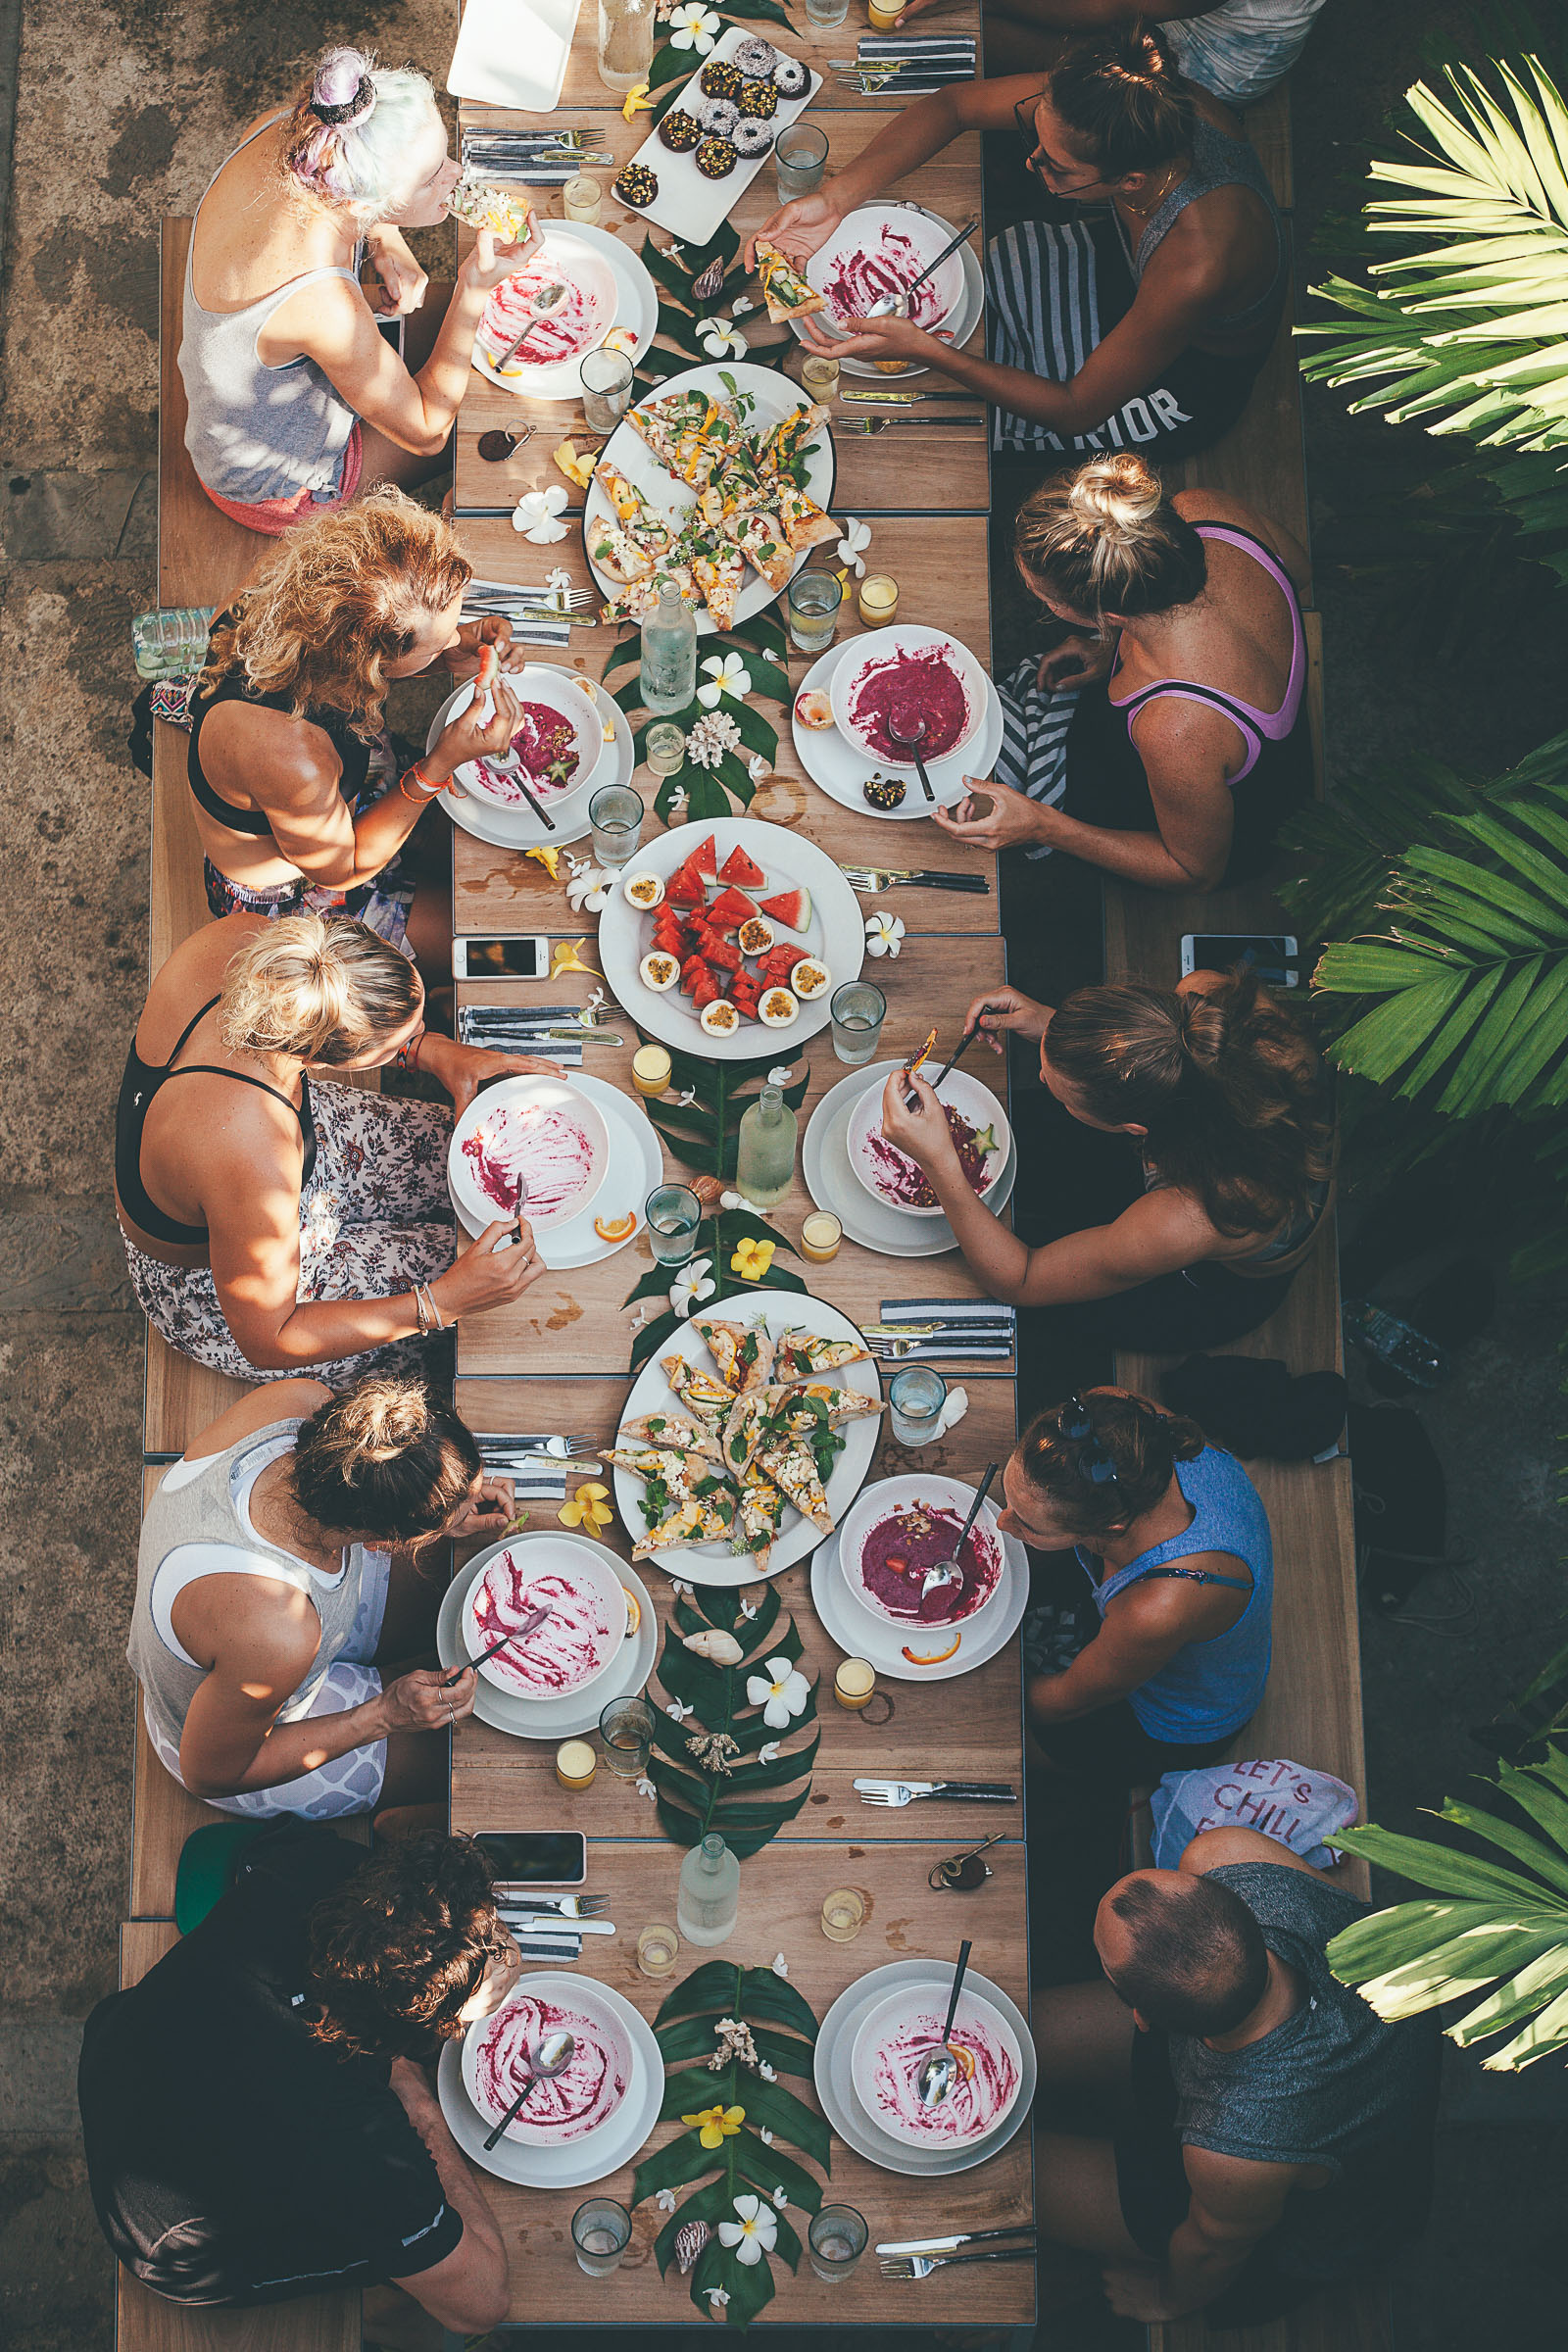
[(1395, 1343), (669, 653), (766, 1156), (171, 642), (709, 1892)]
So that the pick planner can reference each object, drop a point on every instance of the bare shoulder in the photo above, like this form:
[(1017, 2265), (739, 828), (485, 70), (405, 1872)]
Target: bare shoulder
[(274, 1401), (1223, 1849), (271, 752)]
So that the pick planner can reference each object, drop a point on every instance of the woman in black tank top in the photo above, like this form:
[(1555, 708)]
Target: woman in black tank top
[(269, 1225), (298, 802)]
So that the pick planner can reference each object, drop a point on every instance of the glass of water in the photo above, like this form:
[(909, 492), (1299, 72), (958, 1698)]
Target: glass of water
[(616, 815), (601, 2231), (858, 1010), (606, 389), (800, 154), (916, 1396), (673, 1216), (627, 1727), (835, 2241), (814, 599)]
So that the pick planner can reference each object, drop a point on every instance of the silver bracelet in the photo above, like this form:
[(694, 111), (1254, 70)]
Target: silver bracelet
[(437, 1322)]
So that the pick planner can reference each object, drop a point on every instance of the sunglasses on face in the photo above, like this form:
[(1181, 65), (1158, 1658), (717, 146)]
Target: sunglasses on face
[(1034, 155)]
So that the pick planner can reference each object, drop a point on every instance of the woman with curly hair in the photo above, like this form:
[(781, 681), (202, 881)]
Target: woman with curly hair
[(1222, 1095), (280, 1570), (290, 761), (272, 1224), (258, 2120), (294, 394)]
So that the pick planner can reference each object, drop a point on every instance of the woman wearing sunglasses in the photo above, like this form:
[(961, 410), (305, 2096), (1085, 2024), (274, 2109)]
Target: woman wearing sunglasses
[(1174, 1540), (1141, 307)]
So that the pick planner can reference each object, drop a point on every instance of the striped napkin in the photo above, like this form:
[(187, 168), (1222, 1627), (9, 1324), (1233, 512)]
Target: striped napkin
[(980, 1328), (517, 1029)]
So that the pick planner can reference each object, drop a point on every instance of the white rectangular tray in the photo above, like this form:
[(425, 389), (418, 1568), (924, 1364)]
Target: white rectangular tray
[(514, 52), (689, 206)]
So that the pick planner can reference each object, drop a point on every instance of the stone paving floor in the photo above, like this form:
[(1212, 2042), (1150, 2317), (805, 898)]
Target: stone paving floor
[(123, 111)]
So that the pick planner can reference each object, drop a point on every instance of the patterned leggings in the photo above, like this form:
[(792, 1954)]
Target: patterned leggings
[(374, 1218)]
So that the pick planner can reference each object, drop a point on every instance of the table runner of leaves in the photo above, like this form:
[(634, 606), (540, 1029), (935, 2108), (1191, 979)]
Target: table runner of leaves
[(707, 1766)]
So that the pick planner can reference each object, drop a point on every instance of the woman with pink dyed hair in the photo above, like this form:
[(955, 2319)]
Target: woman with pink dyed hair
[(295, 394)]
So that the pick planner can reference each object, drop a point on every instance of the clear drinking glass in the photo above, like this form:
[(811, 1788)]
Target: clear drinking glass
[(673, 1214), (627, 1727), (835, 2241), (858, 1010), (658, 1948), (616, 815), (814, 599), (606, 377), (665, 749), (626, 46), (601, 2231), (917, 1397), (800, 154), (819, 375), (582, 200)]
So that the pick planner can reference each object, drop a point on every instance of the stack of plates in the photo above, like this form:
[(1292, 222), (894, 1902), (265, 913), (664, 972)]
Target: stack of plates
[(833, 1185), (860, 1635), (578, 1711), (531, 2159), (634, 1169), (839, 2077)]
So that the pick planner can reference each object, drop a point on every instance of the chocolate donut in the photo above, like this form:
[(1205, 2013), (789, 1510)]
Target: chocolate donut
[(884, 791), (760, 99), (716, 159), (718, 79), (791, 78), (635, 185), (751, 138), (680, 131)]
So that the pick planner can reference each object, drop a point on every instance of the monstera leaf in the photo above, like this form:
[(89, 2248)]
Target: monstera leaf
[(710, 790), (725, 2035), (718, 1762), (703, 1134), (718, 1239)]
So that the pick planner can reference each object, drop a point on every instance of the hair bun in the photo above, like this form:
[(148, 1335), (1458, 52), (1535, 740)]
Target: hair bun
[(1203, 1029), (1115, 494), (343, 90)]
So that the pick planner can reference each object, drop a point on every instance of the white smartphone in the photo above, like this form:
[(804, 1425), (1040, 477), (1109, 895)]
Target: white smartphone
[(1274, 954), (510, 955)]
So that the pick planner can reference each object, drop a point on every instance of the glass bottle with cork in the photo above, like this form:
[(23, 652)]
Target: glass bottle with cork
[(765, 1159), (709, 1892)]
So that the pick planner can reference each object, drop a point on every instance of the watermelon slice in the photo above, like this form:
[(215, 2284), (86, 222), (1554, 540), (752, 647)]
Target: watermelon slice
[(776, 970), (690, 972), (742, 870), (790, 907), (704, 860), (705, 990), (670, 934), (685, 888), (721, 953), (731, 909)]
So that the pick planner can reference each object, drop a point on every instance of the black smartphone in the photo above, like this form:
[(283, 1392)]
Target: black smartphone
[(518, 956), (1274, 956), (536, 1857)]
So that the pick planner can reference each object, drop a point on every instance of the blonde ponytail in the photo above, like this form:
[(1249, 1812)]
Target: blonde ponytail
[(323, 990), (1107, 539)]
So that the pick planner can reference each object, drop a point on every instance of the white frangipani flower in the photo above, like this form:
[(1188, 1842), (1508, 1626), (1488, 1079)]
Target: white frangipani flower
[(685, 1100), (756, 768), (717, 2294), (665, 2200), (742, 304), (781, 1690), (696, 26), (780, 2198), (748, 1609), (753, 2235), (720, 340), (680, 797), (728, 674), (769, 2073), (678, 1584), (857, 535), (677, 1710), (645, 1788), (588, 889), (781, 1967), (765, 2137), (557, 582), (768, 1753), (536, 513), (884, 934), (690, 1286), (957, 1404)]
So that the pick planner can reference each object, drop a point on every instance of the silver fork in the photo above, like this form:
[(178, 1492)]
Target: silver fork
[(905, 1793), (540, 1906), (532, 1441), (921, 2266), (885, 877)]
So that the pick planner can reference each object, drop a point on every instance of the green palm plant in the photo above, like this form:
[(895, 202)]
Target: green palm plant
[(1467, 329)]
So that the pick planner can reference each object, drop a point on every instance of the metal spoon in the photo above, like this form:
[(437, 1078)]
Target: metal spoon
[(950, 1572), (542, 304), (935, 2078), (555, 2052), (912, 744), (889, 303)]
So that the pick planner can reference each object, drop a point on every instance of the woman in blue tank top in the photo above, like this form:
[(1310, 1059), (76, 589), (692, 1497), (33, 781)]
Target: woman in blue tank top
[(1173, 1538)]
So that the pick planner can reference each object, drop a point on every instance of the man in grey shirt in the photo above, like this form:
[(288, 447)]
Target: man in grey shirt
[(1269, 2134)]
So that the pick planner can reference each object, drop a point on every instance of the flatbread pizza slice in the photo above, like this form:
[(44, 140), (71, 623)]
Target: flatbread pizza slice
[(761, 1512), (702, 1392), (611, 547), (788, 439), (792, 1466), (662, 423), (784, 290), (805, 523), (800, 1353), (759, 533), (675, 1432), (742, 1351), (818, 1401), (679, 1527), (720, 573), (745, 1429), (641, 595)]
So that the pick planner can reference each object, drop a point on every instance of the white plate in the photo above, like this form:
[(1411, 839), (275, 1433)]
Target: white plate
[(577, 1562), (508, 829), (636, 308), (836, 936), (860, 1635), (833, 1184), (627, 453), (689, 206), (840, 768), (549, 1989), (514, 52), (579, 2162), (922, 236), (896, 2013), (780, 1310), (836, 2092), (959, 328), (553, 1719), (970, 1099), (522, 1093), (876, 1504), (636, 1169), (905, 640)]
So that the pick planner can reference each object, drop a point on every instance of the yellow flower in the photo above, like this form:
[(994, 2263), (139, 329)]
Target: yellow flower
[(717, 2125), (577, 467), (547, 856), (752, 1259), (567, 955), (637, 101), (589, 1510)]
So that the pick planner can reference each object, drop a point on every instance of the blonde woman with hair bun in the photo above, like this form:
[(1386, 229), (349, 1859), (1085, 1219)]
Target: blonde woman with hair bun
[(1165, 735), (281, 1571), (274, 1222)]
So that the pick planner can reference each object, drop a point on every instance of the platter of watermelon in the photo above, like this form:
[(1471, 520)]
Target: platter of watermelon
[(741, 945)]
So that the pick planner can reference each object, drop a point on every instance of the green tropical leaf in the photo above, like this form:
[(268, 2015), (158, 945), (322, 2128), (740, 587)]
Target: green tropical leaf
[(1464, 1874)]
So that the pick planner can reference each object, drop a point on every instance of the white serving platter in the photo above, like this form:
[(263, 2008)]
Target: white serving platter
[(689, 206)]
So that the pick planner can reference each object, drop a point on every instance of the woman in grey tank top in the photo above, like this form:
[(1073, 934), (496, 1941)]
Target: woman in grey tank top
[(294, 395), (278, 1565), (1138, 312)]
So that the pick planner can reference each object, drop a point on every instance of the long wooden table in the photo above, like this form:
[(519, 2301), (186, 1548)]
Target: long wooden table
[(559, 1359)]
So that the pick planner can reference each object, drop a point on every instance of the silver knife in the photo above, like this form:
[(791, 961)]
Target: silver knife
[(534, 1921), (960, 2237)]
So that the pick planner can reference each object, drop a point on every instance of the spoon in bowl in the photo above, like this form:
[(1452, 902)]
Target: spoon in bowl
[(546, 2059), (944, 1573), (543, 303), (937, 2071), (890, 304), (909, 739)]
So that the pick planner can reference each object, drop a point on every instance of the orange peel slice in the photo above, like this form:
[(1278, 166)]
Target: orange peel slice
[(634, 1618), (617, 1229), (933, 1657), (965, 2059)]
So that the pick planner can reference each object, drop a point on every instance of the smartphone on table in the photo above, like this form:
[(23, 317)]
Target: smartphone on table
[(502, 956), (1273, 955), (536, 1857)]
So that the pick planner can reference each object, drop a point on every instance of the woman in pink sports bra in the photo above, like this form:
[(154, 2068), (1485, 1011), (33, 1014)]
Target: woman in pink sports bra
[(1165, 738)]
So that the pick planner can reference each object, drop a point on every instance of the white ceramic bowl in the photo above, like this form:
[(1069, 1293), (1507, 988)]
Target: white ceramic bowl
[(546, 1128), (604, 2074), (488, 781), (880, 249), (868, 1148), (580, 1641), (875, 1504), (893, 2038), (878, 648), (579, 322)]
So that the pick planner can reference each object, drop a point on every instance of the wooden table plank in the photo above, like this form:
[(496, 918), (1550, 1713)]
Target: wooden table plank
[(573, 1322), (781, 1898)]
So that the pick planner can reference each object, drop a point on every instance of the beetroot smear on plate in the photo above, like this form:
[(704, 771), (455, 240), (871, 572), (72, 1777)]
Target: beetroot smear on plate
[(902, 1549), (910, 688), (585, 2093), (903, 1181), (545, 750), (558, 1655), (855, 280), (546, 1149)]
